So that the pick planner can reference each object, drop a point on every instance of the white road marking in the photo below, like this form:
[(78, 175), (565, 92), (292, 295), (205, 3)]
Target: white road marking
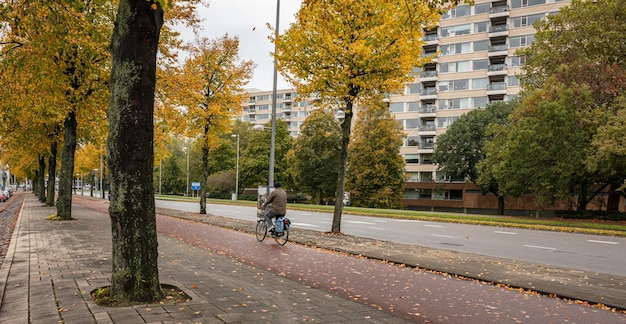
[(603, 242), (446, 236), (360, 222), (380, 221), (501, 232), (540, 247), (305, 224), (437, 226), (377, 228)]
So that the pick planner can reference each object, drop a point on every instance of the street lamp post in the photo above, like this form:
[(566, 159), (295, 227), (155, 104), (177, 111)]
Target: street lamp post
[(270, 182), (187, 189), (236, 168), (101, 191)]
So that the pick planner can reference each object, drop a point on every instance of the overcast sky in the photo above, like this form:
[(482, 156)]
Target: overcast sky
[(248, 19)]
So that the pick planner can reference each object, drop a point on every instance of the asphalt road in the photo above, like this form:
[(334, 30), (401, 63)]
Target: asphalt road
[(597, 253)]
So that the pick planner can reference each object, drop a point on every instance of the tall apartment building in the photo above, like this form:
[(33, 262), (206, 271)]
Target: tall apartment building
[(475, 65)]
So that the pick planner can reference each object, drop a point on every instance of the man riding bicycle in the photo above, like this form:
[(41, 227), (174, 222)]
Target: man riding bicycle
[(277, 200)]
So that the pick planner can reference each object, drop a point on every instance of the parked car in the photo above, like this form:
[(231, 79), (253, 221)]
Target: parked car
[(3, 196)]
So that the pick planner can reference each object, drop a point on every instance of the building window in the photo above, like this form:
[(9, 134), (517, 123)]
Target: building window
[(455, 85), (480, 64), (480, 83), (480, 102), (481, 27), (517, 61), (411, 123), (445, 122), (452, 49), (462, 66), (413, 106), (413, 88), (525, 21), (513, 81), (521, 41), (526, 3), (482, 8), (460, 84), (412, 141), (460, 11), (411, 158), (455, 30), (444, 86), (458, 103), (481, 46), (396, 107)]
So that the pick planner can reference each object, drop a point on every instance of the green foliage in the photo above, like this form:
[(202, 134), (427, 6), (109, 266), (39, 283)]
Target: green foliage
[(546, 145), (221, 182), (314, 159), (375, 177), (579, 49), (254, 158), (608, 147), (582, 44), (459, 150)]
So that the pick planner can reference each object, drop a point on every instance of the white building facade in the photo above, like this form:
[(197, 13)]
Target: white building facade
[(474, 66)]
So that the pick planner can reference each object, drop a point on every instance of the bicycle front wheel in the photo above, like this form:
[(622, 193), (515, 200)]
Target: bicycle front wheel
[(261, 230), (283, 238)]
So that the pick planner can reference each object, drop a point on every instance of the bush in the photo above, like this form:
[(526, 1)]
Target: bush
[(219, 195), (297, 198), (593, 214)]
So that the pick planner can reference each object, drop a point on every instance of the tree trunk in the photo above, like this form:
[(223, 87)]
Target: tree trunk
[(52, 165), (500, 205), (205, 170), (135, 275), (612, 203), (583, 199), (41, 184), (66, 174), (346, 127)]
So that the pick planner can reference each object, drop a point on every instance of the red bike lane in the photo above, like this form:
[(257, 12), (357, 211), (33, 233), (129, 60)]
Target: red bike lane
[(421, 295)]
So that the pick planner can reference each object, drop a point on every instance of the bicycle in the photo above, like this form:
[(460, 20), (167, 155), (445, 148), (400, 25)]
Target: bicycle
[(261, 229)]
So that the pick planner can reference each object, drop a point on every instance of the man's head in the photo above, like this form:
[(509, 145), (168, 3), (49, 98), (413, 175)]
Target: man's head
[(276, 184)]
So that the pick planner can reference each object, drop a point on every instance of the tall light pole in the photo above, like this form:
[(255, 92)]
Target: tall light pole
[(101, 191), (187, 189), (237, 168), (270, 182)]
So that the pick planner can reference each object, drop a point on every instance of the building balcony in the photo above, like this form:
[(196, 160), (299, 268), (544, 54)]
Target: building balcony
[(499, 11), (428, 75), (496, 88), (428, 93), (431, 39), (428, 109), (497, 69), (430, 54), (426, 128), (498, 50), (498, 31)]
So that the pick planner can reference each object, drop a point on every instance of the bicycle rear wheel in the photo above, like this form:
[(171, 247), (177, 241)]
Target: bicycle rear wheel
[(282, 239), (261, 230)]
